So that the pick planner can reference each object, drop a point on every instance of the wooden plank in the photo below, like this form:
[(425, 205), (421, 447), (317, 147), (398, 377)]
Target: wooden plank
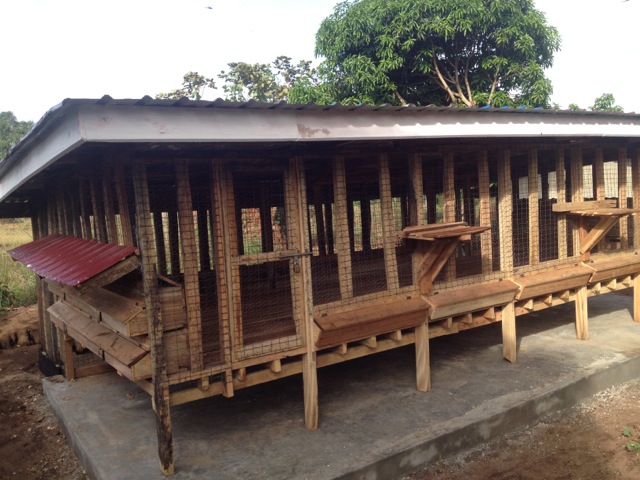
[(416, 206), (622, 196), (597, 233), (388, 230), (615, 268), (111, 274), (449, 212), (593, 205), (561, 189), (505, 210), (486, 250), (635, 179), (189, 253), (369, 321), (109, 207), (469, 299), (98, 208), (577, 191), (546, 283), (342, 242), (509, 340), (599, 170), (636, 298), (95, 336), (534, 217), (123, 203), (161, 396)]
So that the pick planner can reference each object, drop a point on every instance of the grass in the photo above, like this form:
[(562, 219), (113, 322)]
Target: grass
[(17, 283)]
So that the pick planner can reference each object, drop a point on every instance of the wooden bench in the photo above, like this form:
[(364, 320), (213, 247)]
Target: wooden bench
[(547, 283), (369, 320), (614, 268)]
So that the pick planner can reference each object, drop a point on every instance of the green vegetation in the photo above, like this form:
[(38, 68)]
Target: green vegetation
[(633, 436), (11, 131), (17, 283)]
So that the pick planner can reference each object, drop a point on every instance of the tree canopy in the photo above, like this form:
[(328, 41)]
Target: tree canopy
[(461, 52), (11, 131)]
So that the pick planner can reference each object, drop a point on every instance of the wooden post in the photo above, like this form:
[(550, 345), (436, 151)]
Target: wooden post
[(109, 206), (485, 212), (123, 204), (161, 397), (319, 214), (577, 192), (423, 368), (534, 217), (582, 313), (98, 208), (509, 340), (599, 167), (636, 298), (342, 243), (505, 209), (561, 188), (449, 206), (174, 249), (635, 178), (622, 196), (189, 253), (388, 232), (416, 206)]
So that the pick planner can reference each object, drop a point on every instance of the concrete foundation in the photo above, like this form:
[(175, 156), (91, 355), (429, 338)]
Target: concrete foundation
[(374, 424)]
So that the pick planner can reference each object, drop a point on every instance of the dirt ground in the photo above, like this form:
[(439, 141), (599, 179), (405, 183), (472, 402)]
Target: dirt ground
[(585, 442)]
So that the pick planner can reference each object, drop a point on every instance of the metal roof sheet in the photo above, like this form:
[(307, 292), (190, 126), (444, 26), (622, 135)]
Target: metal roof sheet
[(69, 260)]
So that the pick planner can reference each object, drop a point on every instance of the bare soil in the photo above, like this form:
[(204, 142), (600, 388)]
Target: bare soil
[(584, 442)]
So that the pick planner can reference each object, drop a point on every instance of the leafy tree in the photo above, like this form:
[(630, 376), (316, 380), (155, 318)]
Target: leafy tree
[(11, 131), (269, 82), (606, 103), (193, 86), (461, 52)]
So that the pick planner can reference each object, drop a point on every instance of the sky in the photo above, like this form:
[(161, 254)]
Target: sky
[(57, 49)]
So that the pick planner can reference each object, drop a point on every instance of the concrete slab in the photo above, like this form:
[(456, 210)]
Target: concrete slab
[(374, 424)]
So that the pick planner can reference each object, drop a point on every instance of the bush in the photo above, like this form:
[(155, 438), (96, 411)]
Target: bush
[(17, 283)]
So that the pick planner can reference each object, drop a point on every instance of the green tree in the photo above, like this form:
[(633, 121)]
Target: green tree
[(606, 103), (193, 87), (460, 52), (280, 80), (11, 131)]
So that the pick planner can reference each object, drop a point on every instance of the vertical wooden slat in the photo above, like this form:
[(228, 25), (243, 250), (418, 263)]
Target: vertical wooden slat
[(234, 236), (189, 254), (561, 189), (109, 206), (154, 319), (222, 264), (85, 221), (485, 212), (342, 229), (416, 207), (123, 204), (599, 166), (304, 302), (534, 218), (577, 192), (505, 209), (388, 231), (622, 196), (174, 241), (635, 179), (98, 208), (161, 251), (319, 215), (449, 206)]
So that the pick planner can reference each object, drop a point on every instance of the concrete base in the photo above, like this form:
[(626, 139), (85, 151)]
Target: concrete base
[(374, 424)]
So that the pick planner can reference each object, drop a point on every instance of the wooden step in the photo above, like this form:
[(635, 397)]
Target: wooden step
[(463, 300), (547, 283), (368, 321)]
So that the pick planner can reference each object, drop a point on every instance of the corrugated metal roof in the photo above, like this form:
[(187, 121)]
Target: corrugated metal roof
[(69, 260)]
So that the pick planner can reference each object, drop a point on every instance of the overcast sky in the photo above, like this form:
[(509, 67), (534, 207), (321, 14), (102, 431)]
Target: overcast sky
[(57, 49)]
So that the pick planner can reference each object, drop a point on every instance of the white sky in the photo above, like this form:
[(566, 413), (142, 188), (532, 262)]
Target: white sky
[(57, 49)]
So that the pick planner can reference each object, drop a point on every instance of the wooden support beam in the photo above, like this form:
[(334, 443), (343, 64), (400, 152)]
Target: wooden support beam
[(161, 396), (509, 345), (582, 313), (577, 191), (561, 189), (370, 342), (636, 298), (485, 212), (109, 206), (534, 217), (622, 196), (505, 209), (423, 368), (342, 243), (69, 368), (449, 212), (388, 230), (635, 174), (123, 204), (599, 170), (189, 252)]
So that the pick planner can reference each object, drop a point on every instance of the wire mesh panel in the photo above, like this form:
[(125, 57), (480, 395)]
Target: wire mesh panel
[(548, 195), (265, 320)]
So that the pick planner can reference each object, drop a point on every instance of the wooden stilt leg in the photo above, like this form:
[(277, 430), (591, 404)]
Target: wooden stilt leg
[(509, 332), (636, 298), (423, 369), (582, 314), (310, 381), (69, 369)]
